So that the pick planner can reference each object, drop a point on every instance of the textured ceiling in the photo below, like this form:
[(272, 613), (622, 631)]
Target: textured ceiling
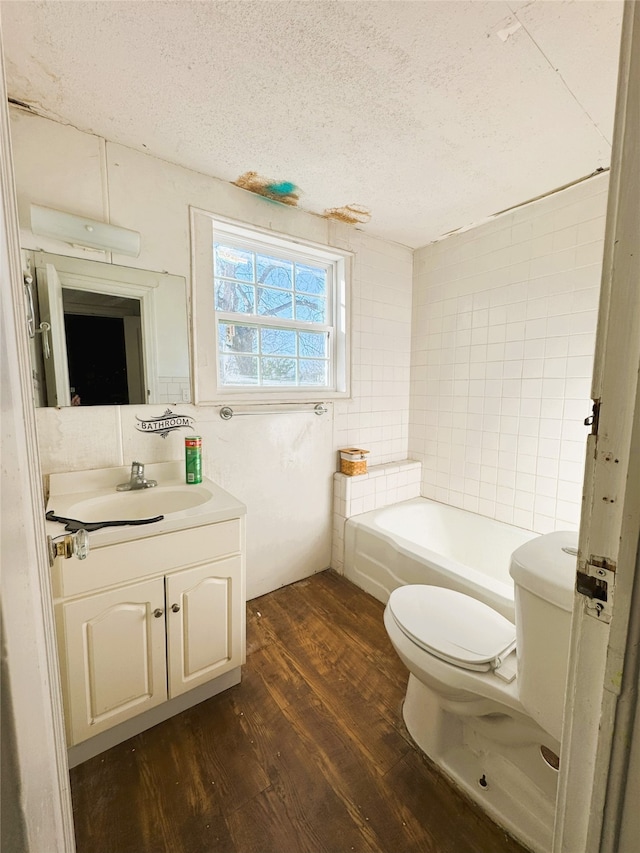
[(434, 115)]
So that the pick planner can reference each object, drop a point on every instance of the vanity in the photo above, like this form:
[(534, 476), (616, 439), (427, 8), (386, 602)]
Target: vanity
[(152, 621)]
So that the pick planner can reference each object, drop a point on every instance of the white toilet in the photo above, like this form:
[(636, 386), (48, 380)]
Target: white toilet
[(485, 698)]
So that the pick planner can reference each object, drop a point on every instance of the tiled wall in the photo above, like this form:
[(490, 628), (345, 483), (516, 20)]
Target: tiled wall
[(173, 389), (504, 320), (381, 486), (377, 416)]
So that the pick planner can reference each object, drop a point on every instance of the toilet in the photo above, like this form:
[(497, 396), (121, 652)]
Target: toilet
[(485, 697)]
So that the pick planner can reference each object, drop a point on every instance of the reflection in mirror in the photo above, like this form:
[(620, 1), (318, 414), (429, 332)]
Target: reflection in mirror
[(104, 353), (103, 334)]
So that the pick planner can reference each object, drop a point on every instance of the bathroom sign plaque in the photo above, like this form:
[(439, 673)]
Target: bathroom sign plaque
[(165, 423)]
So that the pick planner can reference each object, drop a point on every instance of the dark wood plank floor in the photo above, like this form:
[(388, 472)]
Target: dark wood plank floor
[(308, 754)]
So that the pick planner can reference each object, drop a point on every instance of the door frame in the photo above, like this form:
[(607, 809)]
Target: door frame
[(31, 689), (603, 669)]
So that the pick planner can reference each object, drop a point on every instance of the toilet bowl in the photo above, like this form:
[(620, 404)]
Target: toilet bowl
[(485, 697), (471, 687)]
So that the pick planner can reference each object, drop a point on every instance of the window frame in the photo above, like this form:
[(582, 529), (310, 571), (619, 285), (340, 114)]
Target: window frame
[(207, 229)]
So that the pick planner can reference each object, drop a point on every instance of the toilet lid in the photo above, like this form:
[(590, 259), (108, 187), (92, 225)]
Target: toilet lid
[(453, 626)]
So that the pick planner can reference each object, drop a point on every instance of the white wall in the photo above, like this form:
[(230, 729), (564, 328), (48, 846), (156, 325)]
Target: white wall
[(504, 319), (502, 329), (281, 467)]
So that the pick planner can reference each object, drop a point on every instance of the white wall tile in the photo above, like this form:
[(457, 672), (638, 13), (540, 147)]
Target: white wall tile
[(381, 486), (522, 377)]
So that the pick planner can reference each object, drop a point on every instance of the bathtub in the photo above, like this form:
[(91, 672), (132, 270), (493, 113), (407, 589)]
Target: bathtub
[(422, 541)]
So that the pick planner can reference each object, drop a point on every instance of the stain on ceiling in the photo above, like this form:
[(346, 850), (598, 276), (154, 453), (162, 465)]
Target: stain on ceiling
[(432, 115)]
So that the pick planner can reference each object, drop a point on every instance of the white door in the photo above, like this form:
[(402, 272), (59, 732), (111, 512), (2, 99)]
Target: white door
[(602, 687), (54, 342), (203, 625), (113, 657)]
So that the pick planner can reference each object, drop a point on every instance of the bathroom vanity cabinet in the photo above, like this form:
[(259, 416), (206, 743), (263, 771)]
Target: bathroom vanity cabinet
[(148, 626)]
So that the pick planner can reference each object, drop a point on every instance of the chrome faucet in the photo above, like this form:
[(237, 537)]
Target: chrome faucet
[(137, 481)]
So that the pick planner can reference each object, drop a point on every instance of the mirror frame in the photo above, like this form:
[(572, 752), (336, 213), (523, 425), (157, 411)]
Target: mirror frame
[(111, 279)]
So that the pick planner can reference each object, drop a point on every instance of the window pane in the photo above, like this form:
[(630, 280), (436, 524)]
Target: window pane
[(275, 303), (313, 371), (311, 279), (239, 370), (234, 338), (238, 298), (278, 371), (277, 326), (233, 263), (313, 344), (274, 272), (277, 342), (310, 308)]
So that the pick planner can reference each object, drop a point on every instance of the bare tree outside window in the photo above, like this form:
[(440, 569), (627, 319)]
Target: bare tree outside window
[(274, 318)]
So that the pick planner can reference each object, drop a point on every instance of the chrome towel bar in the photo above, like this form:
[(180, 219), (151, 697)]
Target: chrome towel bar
[(226, 412)]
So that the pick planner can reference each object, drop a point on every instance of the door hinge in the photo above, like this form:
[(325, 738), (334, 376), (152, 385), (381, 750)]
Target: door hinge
[(596, 582), (594, 417)]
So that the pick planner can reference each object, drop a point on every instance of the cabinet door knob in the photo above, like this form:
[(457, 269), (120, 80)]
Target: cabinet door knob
[(158, 612), (175, 608)]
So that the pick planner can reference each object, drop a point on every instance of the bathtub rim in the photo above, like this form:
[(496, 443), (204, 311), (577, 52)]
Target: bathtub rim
[(478, 581)]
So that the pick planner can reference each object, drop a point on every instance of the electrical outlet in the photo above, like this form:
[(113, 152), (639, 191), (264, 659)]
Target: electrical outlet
[(186, 396)]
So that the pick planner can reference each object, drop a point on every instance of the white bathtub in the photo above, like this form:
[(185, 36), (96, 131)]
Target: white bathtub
[(422, 541)]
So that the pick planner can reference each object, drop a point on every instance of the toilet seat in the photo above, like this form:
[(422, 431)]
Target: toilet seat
[(452, 626)]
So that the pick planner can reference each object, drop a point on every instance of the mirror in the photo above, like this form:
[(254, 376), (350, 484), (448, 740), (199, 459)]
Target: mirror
[(102, 334)]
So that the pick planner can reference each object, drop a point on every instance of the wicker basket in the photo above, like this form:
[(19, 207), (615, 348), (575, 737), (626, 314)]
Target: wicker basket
[(353, 461)]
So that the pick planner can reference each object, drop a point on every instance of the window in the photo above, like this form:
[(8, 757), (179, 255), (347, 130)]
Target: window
[(279, 324)]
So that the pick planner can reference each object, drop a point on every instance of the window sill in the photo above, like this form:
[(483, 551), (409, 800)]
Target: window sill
[(227, 398)]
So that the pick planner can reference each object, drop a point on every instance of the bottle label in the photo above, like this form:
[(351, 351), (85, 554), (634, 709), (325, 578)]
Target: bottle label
[(193, 459)]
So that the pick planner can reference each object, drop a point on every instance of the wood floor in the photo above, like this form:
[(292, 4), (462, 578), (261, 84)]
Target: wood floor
[(308, 754)]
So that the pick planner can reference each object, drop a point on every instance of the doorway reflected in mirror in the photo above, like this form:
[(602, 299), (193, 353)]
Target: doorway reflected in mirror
[(104, 349), (103, 334)]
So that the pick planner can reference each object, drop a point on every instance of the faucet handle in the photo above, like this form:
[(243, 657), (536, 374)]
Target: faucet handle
[(137, 479)]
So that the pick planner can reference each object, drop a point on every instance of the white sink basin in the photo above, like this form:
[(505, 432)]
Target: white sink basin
[(91, 496), (141, 503)]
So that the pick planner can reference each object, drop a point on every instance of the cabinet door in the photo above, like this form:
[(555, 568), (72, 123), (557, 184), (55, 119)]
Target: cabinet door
[(205, 623), (114, 656)]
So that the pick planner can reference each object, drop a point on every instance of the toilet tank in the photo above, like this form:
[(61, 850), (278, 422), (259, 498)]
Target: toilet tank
[(544, 578)]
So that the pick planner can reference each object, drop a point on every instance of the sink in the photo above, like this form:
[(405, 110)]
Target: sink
[(91, 496), (142, 503)]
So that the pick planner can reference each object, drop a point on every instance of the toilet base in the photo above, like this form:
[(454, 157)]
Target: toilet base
[(495, 759)]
